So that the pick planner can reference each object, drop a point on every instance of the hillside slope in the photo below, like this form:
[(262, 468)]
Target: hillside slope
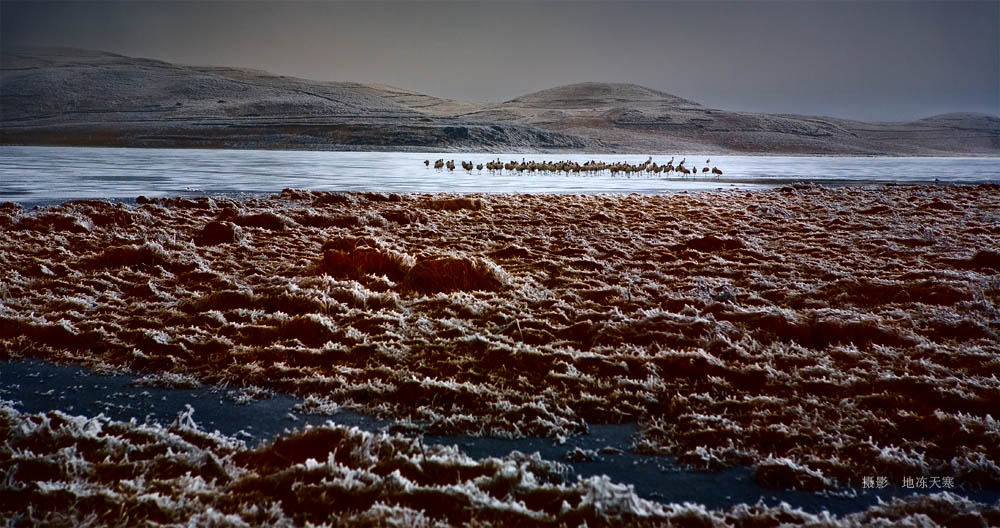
[(630, 118), (80, 97)]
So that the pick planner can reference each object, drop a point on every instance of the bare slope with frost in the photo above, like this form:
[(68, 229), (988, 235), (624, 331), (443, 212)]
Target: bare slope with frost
[(626, 117), (78, 97), (817, 334)]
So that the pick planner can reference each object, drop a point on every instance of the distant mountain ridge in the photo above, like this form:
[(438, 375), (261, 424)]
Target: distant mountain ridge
[(65, 96), (593, 93)]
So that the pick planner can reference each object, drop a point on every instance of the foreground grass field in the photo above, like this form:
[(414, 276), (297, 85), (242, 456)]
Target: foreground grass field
[(817, 334), (72, 471)]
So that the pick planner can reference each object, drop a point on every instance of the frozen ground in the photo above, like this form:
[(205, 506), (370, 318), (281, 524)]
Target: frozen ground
[(816, 335)]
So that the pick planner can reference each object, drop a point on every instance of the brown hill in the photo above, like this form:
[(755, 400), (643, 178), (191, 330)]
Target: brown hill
[(80, 97)]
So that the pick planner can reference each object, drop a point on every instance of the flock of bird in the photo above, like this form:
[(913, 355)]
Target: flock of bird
[(648, 167)]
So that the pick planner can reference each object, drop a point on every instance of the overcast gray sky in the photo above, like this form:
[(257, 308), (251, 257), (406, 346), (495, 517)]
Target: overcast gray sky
[(877, 60)]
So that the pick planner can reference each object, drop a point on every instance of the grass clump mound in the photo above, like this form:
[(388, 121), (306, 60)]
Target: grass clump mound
[(356, 257), (456, 204), (365, 261), (215, 233), (448, 274), (146, 255)]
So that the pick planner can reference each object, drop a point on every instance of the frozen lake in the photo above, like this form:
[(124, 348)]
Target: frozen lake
[(35, 175)]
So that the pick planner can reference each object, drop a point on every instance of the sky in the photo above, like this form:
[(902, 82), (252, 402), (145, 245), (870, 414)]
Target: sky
[(874, 60)]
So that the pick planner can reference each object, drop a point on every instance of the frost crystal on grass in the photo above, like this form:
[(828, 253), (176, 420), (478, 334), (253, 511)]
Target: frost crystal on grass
[(780, 328)]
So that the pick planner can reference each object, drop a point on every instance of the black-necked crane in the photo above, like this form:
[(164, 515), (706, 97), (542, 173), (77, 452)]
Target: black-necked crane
[(616, 168)]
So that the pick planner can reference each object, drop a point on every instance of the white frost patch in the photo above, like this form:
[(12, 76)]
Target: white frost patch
[(171, 380)]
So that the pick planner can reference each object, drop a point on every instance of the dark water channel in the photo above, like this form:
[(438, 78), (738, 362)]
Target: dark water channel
[(38, 386)]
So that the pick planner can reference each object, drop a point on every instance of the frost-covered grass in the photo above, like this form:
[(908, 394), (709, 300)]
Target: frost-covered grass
[(72, 470), (819, 334)]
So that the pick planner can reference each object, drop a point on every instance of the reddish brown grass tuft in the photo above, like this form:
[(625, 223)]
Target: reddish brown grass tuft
[(215, 233), (456, 204), (448, 274), (733, 326), (365, 261)]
